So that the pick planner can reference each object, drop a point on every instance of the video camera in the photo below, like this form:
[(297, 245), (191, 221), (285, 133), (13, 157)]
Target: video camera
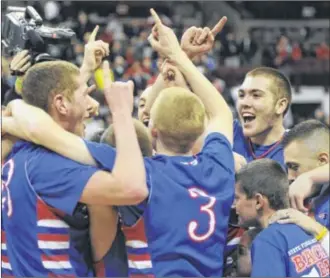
[(23, 28)]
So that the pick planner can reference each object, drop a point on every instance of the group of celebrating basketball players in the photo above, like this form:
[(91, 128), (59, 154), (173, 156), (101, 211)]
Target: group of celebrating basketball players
[(185, 190)]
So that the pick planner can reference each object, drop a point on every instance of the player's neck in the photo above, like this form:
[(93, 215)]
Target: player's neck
[(161, 149), (264, 219), (270, 136), (60, 121)]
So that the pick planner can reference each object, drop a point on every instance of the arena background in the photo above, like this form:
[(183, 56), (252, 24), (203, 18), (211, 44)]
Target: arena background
[(292, 36)]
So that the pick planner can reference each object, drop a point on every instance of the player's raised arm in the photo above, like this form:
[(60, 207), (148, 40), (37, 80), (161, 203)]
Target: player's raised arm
[(219, 113), (197, 41), (95, 51), (119, 96), (156, 88), (126, 184)]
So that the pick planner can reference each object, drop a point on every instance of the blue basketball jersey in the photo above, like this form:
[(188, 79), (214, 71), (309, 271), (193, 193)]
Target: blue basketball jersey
[(181, 229), (40, 193), (321, 206), (285, 250), (246, 148)]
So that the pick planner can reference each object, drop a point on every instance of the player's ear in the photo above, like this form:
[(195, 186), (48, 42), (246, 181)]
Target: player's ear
[(323, 158), (281, 105), (260, 202), (61, 103)]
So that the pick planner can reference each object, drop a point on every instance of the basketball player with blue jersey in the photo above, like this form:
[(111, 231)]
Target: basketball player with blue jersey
[(175, 244), (191, 195), (312, 136), (280, 250), (40, 186)]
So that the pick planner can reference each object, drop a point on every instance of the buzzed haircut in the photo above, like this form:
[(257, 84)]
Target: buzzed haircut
[(108, 137), (313, 132), (282, 85), (44, 80), (268, 178), (179, 116)]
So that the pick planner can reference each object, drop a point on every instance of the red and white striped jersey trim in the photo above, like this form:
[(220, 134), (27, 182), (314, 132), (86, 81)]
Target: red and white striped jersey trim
[(56, 261), (139, 261), (5, 262), (4, 259), (54, 240), (136, 240)]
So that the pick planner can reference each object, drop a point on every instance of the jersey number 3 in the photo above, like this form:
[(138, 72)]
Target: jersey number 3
[(205, 209)]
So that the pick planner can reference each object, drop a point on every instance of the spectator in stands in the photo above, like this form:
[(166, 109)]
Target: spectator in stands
[(283, 52), (139, 77), (119, 67), (230, 50), (115, 27), (320, 115), (248, 48), (83, 25), (296, 54), (117, 49), (323, 51)]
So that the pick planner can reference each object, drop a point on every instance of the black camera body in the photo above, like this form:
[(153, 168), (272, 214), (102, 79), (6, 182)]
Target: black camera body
[(23, 29)]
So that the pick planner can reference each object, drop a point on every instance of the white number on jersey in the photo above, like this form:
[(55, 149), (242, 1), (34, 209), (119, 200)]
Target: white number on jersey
[(207, 210)]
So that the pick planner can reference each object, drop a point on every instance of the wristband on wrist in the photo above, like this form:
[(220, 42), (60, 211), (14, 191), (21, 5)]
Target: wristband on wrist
[(321, 234)]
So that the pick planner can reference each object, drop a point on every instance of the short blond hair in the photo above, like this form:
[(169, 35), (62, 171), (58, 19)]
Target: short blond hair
[(281, 84), (44, 80), (179, 116), (108, 137)]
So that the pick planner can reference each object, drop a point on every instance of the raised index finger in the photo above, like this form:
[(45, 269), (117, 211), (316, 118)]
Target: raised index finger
[(155, 17), (92, 37), (218, 27)]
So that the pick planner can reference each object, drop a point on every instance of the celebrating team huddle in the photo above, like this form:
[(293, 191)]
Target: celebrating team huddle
[(156, 196)]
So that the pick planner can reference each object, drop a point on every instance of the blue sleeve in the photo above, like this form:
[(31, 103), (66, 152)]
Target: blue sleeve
[(267, 260), (58, 181), (219, 149), (104, 154), (239, 139)]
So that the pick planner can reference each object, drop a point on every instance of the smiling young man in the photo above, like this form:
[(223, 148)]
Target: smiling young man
[(263, 99), (280, 250)]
